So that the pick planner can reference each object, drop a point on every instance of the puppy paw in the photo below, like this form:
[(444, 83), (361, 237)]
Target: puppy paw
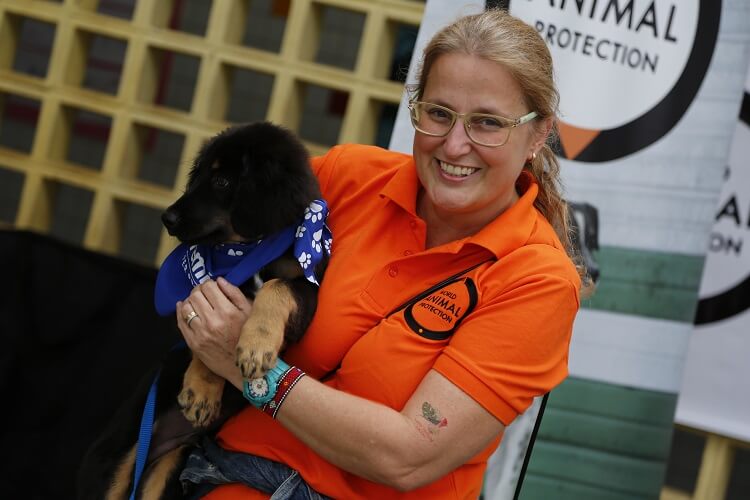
[(200, 403), (257, 351)]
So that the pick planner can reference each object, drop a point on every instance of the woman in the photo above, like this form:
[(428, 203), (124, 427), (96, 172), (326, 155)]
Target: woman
[(414, 402)]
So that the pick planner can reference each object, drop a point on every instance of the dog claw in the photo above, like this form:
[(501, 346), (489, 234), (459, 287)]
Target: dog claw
[(199, 411), (254, 364)]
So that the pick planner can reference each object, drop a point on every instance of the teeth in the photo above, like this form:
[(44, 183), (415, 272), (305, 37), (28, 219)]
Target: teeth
[(454, 170)]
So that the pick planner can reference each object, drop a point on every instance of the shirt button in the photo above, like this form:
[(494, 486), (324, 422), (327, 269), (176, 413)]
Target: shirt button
[(393, 271), (408, 252), (413, 224)]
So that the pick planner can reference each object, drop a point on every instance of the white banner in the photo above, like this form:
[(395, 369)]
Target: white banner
[(715, 393), (644, 135), (652, 169)]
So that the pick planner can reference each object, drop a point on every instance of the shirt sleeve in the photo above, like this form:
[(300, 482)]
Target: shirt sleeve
[(323, 166), (514, 346)]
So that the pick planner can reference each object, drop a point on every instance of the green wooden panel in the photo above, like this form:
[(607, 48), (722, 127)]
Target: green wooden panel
[(646, 283), (572, 464), (626, 403), (542, 488), (605, 434), (601, 441)]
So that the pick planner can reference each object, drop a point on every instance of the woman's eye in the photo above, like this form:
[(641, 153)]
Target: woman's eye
[(220, 182), (438, 114), (487, 122)]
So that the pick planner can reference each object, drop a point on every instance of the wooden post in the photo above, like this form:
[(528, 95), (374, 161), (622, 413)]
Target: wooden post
[(716, 467)]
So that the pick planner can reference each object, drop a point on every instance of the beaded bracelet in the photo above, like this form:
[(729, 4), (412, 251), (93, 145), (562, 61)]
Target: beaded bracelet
[(285, 384)]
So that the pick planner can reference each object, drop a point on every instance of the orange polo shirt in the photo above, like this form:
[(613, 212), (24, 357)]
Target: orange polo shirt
[(501, 333)]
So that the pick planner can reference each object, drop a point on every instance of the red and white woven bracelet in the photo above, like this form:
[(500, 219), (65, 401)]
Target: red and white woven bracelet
[(287, 382)]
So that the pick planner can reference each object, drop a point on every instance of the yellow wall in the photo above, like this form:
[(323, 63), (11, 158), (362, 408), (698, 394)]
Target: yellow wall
[(116, 184)]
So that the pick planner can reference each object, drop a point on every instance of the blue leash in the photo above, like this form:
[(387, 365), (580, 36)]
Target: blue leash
[(147, 425), (144, 435)]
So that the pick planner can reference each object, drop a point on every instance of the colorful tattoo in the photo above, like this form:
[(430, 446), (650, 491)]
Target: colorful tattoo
[(423, 430), (432, 415)]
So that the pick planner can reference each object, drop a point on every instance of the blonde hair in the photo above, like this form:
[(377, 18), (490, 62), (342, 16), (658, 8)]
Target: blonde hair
[(497, 36)]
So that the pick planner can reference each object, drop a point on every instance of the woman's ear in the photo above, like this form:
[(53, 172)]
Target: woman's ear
[(541, 133)]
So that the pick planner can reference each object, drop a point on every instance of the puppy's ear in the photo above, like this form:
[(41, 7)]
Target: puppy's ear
[(263, 171), (246, 169)]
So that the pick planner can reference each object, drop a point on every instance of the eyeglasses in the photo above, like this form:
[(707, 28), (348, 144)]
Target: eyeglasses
[(483, 129)]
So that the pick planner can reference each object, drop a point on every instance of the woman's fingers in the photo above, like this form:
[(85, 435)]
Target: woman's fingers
[(216, 297), (187, 313), (183, 311), (199, 300), (233, 293)]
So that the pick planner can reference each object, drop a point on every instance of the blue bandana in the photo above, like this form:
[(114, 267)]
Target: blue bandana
[(190, 265)]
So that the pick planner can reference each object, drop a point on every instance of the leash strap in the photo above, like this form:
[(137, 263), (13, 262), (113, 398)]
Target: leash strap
[(147, 426), (144, 435), (527, 457)]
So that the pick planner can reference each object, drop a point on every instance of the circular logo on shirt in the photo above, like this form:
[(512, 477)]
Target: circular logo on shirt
[(437, 315), (627, 70)]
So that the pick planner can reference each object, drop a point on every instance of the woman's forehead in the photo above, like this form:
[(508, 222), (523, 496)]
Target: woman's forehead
[(470, 82)]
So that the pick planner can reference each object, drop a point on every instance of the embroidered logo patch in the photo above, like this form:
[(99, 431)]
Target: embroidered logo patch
[(437, 315)]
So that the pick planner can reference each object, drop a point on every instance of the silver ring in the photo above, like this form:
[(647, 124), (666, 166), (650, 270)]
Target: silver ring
[(190, 317)]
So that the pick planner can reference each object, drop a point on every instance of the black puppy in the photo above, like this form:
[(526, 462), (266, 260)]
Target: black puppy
[(248, 182)]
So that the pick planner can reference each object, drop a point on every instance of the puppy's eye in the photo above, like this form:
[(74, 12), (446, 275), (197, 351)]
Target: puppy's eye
[(220, 182)]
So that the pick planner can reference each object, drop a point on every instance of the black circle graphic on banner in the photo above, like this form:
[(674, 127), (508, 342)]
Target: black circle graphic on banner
[(611, 144), (735, 300), (724, 305)]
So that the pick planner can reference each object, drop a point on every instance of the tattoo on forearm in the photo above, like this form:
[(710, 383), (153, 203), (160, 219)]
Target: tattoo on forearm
[(423, 430), (433, 416), (434, 419)]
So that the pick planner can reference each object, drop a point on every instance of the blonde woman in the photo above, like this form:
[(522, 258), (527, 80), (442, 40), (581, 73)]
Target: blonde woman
[(447, 305)]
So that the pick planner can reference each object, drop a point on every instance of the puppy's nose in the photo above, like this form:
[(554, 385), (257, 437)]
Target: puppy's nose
[(170, 219)]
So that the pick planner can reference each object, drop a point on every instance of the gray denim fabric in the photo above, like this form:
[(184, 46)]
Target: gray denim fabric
[(209, 465)]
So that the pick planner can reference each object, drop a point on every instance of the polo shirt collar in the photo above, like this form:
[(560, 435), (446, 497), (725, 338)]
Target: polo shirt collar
[(403, 187), (510, 230), (513, 228)]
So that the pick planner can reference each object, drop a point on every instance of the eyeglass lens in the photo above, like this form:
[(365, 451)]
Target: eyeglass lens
[(435, 120)]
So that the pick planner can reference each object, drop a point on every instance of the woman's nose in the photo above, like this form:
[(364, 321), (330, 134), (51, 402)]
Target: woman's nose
[(457, 142)]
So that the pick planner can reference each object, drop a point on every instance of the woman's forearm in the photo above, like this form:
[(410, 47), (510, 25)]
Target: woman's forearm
[(439, 429), (359, 436)]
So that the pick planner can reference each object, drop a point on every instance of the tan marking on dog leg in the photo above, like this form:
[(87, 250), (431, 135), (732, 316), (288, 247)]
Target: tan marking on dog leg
[(161, 471), (118, 489), (285, 267), (263, 333), (200, 397)]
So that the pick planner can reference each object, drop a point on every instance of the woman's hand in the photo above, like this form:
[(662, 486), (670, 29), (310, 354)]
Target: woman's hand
[(212, 335)]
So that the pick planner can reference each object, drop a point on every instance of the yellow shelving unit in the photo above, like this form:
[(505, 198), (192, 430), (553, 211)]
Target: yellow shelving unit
[(131, 112)]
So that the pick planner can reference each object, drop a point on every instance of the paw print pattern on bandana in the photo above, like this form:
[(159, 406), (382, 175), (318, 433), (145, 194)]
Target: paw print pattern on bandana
[(316, 240), (314, 212), (313, 238), (305, 259)]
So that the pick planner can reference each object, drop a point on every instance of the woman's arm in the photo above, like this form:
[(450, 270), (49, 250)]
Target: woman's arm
[(439, 429)]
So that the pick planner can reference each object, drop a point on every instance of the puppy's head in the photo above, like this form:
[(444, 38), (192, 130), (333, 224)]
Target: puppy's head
[(246, 182)]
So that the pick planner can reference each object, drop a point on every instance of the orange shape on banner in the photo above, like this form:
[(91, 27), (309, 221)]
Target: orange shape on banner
[(574, 139)]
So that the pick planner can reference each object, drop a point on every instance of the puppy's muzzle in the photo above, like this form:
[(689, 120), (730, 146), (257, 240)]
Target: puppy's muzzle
[(171, 220)]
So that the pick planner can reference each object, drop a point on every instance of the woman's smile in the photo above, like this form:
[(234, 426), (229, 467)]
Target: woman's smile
[(455, 172)]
